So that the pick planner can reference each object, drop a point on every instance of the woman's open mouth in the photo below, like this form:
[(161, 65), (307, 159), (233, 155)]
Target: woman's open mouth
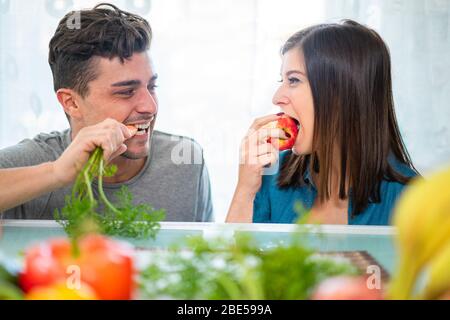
[(297, 123)]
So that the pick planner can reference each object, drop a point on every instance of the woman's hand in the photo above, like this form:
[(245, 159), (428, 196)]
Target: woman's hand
[(255, 154), (109, 134)]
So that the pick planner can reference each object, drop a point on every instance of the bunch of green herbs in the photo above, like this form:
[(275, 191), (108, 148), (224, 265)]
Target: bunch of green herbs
[(238, 269), (81, 213)]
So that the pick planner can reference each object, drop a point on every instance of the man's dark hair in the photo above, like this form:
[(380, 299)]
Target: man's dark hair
[(104, 32)]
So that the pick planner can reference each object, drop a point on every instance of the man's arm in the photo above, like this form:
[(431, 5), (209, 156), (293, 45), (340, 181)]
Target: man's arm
[(19, 185)]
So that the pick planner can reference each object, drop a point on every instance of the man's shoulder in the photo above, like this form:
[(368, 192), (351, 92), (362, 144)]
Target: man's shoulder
[(54, 139), (43, 147), (53, 136)]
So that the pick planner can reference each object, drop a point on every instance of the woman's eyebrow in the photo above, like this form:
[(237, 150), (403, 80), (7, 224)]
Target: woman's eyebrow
[(295, 71)]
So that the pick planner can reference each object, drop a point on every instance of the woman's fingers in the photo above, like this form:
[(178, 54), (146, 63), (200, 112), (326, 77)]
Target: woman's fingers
[(262, 136), (264, 133), (262, 121), (262, 149), (251, 154), (267, 159)]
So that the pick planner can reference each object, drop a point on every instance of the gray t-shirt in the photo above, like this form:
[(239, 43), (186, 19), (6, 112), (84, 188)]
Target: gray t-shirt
[(181, 187)]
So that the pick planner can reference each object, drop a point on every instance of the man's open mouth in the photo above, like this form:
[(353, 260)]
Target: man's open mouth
[(142, 128)]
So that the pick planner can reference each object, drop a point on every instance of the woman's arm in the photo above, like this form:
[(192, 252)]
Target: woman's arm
[(255, 154), (241, 207)]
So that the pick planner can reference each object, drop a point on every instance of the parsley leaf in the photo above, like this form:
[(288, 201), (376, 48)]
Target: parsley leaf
[(81, 213)]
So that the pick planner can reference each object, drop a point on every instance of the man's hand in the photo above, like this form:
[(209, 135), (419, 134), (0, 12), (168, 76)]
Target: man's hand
[(109, 134)]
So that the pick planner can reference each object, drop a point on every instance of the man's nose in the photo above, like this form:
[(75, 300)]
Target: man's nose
[(147, 103)]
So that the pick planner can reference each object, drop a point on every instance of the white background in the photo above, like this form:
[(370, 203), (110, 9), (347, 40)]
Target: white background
[(218, 62)]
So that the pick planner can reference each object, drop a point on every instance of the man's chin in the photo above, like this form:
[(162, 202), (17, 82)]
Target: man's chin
[(137, 149), (134, 155)]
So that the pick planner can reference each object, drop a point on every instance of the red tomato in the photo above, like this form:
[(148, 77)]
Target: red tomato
[(105, 265), (346, 288)]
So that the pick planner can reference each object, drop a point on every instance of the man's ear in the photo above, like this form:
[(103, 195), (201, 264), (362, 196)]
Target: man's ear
[(69, 101)]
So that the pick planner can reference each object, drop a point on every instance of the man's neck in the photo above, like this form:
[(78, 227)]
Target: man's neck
[(126, 169)]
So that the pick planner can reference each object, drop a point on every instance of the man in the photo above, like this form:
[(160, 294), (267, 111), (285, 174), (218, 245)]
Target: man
[(105, 82)]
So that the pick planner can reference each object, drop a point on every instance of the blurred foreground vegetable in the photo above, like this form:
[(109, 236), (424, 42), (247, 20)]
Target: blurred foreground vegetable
[(423, 221), (220, 269), (346, 288), (9, 286), (60, 291), (103, 269)]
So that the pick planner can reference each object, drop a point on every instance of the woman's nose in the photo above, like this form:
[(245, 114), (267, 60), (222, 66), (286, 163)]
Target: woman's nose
[(279, 98)]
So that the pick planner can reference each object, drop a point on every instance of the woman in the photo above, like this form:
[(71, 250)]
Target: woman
[(348, 164)]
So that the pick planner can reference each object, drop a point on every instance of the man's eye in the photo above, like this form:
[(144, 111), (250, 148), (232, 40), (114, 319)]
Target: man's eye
[(128, 93), (152, 87)]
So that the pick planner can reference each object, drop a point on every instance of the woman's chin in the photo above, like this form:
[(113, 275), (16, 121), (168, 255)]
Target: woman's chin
[(299, 150), (296, 150)]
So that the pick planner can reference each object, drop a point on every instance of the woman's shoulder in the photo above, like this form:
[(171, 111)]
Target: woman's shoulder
[(392, 188), (402, 168)]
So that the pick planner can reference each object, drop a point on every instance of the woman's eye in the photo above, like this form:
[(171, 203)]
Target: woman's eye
[(293, 80)]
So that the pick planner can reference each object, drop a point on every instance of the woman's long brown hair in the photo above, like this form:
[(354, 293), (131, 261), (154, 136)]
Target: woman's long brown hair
[(349, 72)]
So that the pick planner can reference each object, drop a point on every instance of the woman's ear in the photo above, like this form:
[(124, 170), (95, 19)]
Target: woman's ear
[(68, 100)]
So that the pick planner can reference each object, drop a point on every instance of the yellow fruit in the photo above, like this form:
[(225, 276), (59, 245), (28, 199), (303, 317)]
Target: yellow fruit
[(445, 296), (422, 218), (61, 291), (439, 275)]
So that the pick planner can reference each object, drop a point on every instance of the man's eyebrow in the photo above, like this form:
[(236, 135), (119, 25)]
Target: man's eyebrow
[(134, 83), (153, 79), (126, 83)]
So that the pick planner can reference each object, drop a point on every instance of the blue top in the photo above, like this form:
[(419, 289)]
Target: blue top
[(275, 205)]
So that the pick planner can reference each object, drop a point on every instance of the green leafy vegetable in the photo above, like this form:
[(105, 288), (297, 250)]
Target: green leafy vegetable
[(220, 269), (9, 283), (81, 213)]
